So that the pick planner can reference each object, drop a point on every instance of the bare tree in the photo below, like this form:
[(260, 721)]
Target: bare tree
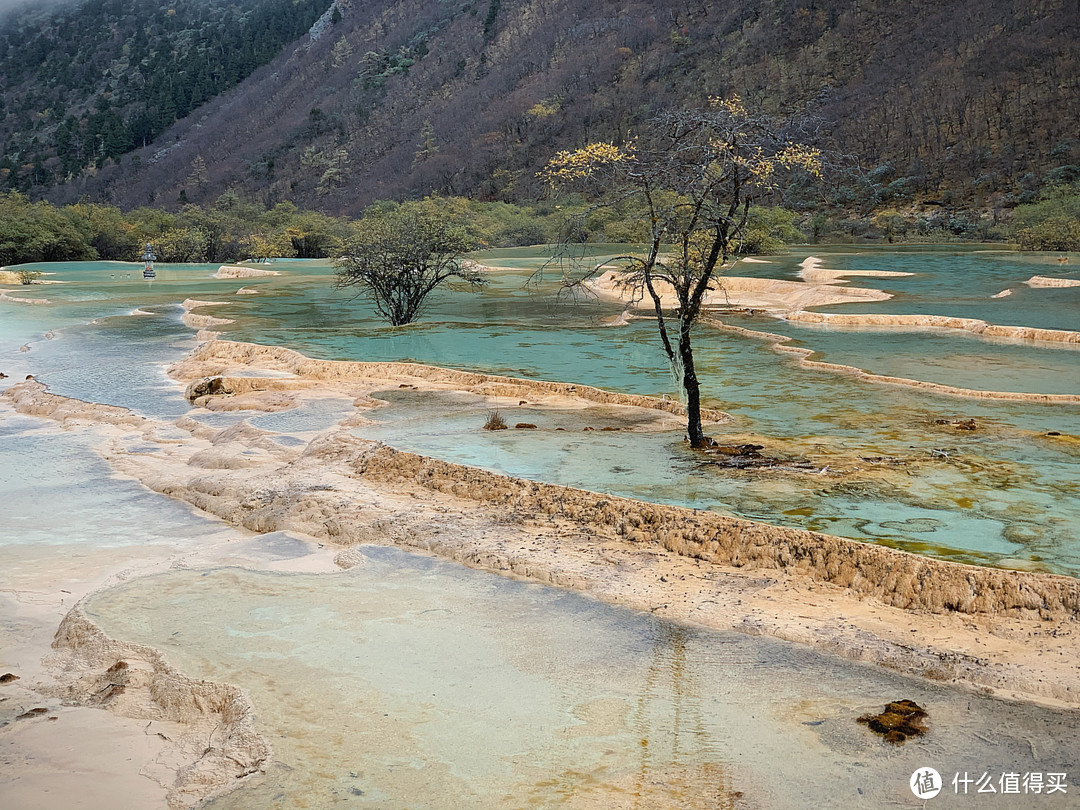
[(400, 256), (693, 176)]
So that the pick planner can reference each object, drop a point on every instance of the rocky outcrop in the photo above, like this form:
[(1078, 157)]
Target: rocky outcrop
[(197, 321), (211, 726), (205, 387)]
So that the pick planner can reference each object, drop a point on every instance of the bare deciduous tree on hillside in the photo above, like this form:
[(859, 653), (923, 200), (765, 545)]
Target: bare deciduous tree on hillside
[(693, 175)]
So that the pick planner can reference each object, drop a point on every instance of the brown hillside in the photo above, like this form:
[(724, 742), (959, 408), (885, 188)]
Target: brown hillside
[(974, 101)]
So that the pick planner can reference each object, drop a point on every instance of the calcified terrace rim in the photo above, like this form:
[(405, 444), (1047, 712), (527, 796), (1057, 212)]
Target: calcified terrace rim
[(4, 296), (893, 577), (973, 325), (915, 322), (835, 594), (230, 353), (778, 343), (897, 578)]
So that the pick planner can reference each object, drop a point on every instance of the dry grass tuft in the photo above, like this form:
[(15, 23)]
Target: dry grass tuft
[(495, 421)]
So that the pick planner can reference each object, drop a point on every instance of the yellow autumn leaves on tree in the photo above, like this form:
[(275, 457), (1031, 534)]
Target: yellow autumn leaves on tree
[(732, 105), (690, 179), (734, 146), (580, 163), (800, 156)]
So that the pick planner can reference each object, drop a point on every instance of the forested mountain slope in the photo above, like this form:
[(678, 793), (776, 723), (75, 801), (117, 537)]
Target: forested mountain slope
[(972, 103), (86, 82)]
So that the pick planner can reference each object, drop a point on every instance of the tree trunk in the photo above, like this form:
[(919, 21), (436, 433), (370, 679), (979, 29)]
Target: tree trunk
[(694, 431)]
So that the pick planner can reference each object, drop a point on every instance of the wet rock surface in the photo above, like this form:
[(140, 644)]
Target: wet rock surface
[(900, 720), (35, 712), (205, 386)]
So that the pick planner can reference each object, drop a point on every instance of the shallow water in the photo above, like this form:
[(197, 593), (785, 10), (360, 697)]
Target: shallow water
[(967, 508), (409, 682), (447, 687), (313, 417), (962, 283), (952, 281), (106, 334), (522, 330), (59, 494), (67, 521), (944, 356), (1004, 494)]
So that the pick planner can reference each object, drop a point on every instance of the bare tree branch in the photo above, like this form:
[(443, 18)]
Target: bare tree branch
[(695, 173)]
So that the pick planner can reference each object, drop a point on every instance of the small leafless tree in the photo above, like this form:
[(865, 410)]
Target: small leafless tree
[(399, 257), (693, 176)]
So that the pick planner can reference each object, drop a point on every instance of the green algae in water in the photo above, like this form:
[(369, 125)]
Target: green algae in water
[(1006, 519)]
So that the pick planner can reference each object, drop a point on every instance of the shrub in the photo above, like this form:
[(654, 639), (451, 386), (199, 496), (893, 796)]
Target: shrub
[(495, 421), (769, 229), (1052, 223), (1056, 233)]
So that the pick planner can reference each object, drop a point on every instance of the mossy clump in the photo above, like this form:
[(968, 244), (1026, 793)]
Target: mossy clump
[(900, 720)]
